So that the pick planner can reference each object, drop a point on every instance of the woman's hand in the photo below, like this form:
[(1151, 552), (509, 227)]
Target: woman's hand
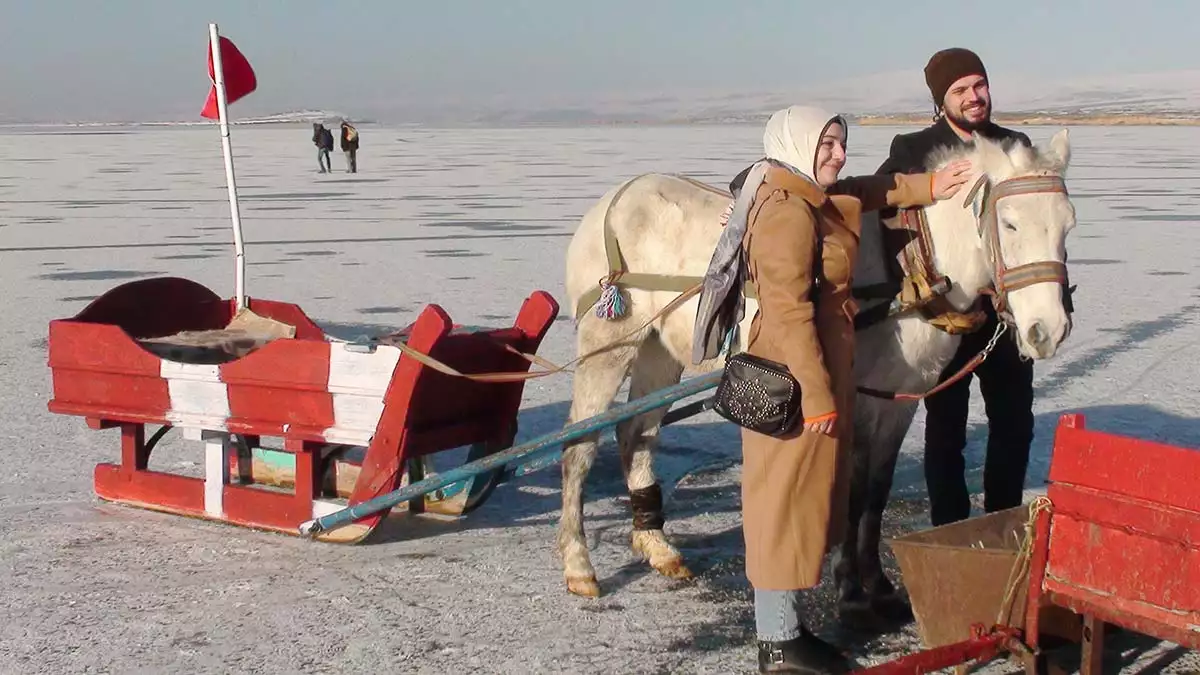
[(950, 179), (822, 426)]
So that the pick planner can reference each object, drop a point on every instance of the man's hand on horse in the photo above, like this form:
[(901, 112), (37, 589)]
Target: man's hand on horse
[(950, 179)]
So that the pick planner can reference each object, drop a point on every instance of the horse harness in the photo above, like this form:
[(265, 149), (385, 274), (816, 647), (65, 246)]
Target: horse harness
[(619, 276), (922, 276), (923, 288), (1008, 279)]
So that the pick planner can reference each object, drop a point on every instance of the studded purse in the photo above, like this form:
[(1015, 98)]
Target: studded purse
[(758, 394)]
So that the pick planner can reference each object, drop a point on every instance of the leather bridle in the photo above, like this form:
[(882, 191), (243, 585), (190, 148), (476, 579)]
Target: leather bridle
[(1007, 279)]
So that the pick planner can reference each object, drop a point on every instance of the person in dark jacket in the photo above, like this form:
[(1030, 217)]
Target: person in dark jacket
[(349, 143), (323, 139), (958, 82)]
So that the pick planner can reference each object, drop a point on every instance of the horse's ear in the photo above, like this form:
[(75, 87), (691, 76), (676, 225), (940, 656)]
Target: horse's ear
[(1059, 152), (978, 194)]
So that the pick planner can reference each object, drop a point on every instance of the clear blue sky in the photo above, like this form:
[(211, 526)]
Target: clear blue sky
[(144, 59)]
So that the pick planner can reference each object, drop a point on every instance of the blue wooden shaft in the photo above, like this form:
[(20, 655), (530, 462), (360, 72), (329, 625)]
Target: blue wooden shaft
[(524, 451), (548, 459)]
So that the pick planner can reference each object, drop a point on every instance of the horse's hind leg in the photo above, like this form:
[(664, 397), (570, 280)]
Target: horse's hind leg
[(653, 369), (596, 382)]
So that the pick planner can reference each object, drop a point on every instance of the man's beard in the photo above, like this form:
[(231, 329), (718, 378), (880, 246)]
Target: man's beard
[(966, 124)]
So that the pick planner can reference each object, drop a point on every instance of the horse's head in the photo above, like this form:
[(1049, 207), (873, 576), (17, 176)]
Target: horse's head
[(1023, 216)]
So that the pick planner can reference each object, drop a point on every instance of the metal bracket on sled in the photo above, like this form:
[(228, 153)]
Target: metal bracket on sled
[(362, 345)]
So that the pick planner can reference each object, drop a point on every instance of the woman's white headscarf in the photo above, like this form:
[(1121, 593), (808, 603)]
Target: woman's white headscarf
[(793, 135), (790, 140)]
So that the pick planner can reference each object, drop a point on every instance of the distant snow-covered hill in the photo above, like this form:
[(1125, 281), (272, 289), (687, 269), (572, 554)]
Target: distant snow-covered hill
[(892, 93)]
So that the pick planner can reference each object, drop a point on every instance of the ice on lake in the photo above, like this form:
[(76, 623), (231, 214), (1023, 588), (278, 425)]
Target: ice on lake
[(472, 219)]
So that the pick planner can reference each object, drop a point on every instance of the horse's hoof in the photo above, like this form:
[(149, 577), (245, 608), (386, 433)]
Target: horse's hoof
[(673, 569), (893, 607), (855, 611), (584, 586), (668, 562), (859, 618)]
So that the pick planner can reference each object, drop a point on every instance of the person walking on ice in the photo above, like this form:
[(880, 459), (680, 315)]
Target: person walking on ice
[(349, 143), (323, 139)]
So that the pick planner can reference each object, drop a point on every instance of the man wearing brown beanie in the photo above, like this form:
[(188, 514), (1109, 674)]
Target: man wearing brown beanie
[(958, 83)]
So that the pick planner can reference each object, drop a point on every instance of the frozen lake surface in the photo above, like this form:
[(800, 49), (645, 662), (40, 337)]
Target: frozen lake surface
[(473, 220)]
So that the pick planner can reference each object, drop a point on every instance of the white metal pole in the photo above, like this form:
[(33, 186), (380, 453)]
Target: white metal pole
[(230, 180)]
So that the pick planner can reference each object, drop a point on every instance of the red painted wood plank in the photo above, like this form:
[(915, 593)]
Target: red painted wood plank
[(1182, 629), (1135, 468), (1123, 565), (1138, 516), (289, 314), (259, 507), (179, 494)]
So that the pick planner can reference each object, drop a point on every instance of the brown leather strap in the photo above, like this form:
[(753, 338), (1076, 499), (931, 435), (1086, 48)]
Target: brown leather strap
[(617, 273), (550, 367), (969, 367)]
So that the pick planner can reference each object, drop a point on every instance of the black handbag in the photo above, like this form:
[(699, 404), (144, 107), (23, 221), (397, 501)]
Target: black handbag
[(758, 394)]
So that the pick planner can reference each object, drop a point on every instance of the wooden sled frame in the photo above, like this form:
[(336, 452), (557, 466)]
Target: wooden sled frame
[(318, 396)]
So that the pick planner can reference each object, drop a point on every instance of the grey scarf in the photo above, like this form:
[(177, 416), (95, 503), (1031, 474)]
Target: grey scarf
[(722, 303)]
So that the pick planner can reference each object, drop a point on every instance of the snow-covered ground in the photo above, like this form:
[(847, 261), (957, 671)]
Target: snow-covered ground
[(472, 220)]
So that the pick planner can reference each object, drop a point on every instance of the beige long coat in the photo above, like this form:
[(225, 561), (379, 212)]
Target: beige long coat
[(795, 489)]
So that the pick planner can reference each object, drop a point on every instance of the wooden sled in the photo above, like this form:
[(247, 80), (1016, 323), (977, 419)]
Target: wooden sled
[(362, 416)]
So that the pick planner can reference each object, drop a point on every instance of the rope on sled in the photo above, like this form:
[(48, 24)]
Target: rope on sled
[(1020, 568)]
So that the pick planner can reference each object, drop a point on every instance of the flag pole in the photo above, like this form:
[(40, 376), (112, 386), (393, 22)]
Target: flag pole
[(230, 180)]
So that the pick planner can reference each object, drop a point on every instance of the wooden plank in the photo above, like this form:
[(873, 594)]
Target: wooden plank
[(1136, 468)]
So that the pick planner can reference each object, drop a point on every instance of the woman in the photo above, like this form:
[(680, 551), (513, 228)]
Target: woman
[(794, 489)]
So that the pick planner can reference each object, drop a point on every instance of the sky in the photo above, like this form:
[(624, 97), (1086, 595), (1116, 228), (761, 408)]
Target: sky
[(76, 60)]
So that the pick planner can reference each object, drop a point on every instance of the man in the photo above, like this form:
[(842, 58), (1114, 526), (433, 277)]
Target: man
[(323, 139), (349, 143), (958, 83)]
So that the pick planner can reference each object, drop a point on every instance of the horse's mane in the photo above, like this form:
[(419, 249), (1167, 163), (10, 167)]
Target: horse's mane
[(992, 155)]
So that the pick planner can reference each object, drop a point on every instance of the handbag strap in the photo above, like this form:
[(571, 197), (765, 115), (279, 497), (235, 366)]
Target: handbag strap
[(817, 259)]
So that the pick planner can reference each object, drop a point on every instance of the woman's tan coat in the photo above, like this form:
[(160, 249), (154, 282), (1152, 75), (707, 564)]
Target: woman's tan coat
[(795, 489)]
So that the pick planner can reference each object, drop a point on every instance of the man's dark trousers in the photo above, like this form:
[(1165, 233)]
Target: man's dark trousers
[(1006, 382)]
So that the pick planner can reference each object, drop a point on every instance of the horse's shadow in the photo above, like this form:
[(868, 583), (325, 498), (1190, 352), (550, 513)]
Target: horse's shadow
[(535, 499)]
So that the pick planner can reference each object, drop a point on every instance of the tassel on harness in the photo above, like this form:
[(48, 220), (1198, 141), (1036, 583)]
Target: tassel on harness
[(612, 304)]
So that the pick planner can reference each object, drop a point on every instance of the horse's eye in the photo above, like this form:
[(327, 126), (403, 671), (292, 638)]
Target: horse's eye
[(1009, 226)]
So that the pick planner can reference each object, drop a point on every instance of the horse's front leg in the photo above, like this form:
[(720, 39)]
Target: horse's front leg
[(865, 593), (881, 469)]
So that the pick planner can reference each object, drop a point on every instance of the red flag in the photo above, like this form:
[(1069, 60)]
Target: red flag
[(239, 77)]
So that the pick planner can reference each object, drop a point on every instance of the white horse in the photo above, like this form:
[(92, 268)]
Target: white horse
[(667, 227)]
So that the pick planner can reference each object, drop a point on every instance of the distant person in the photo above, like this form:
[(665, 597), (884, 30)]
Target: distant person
[(349, 144), (323, 139)]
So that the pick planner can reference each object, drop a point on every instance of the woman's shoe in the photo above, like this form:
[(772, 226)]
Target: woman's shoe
[(804, 654)]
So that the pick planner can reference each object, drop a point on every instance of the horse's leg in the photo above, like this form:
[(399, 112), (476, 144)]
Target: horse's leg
[(654, 368), (863, 587), (851, 597), (596, 382), (882, 468)]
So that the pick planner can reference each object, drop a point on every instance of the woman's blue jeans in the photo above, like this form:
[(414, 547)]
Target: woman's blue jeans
[(777, 615)]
